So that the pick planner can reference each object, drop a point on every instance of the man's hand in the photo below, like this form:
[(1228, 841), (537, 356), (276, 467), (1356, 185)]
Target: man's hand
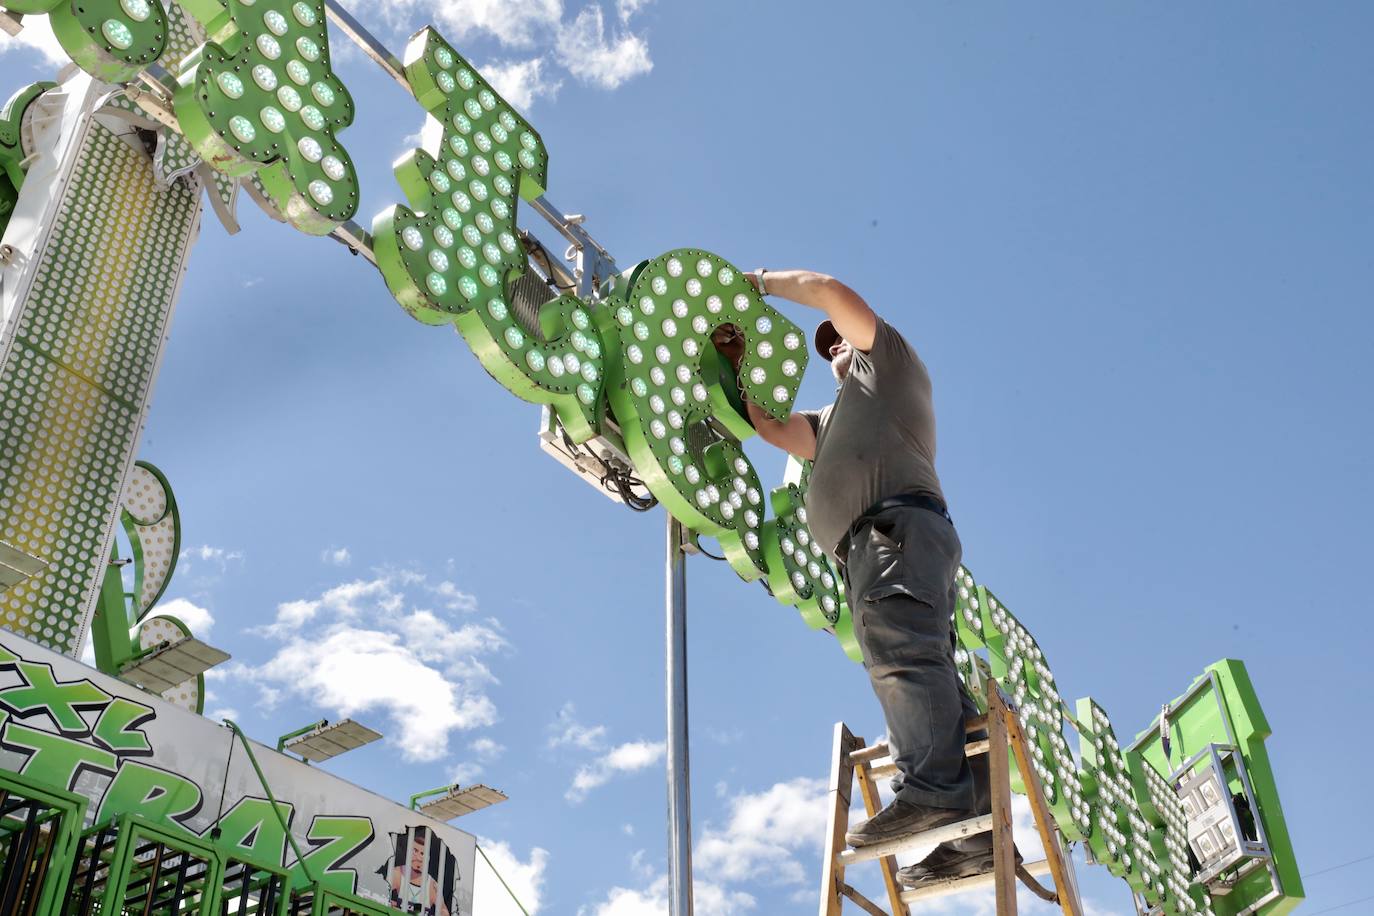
[(729, 343), (846, 309), (793, 435)]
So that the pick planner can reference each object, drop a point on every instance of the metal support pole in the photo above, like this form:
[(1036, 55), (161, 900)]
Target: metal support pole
[(679, 771)]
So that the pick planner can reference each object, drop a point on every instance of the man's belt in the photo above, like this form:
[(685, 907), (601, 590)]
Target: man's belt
[(910, 500)]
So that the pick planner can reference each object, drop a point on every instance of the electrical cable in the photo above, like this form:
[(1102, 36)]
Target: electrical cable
[(1341, 906), (696, 542), (536, 248), (1313, 874), (621, 483)]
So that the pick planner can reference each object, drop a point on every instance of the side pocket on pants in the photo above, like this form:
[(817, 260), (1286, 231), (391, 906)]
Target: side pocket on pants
[(889, 573)]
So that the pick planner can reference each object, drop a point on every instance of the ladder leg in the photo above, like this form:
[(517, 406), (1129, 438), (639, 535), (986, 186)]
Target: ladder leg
[(999, 773), (1044, 823), (889, 863), (841, 785)]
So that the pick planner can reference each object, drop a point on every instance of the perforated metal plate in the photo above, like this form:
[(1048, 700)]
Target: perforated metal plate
[(78, 364)]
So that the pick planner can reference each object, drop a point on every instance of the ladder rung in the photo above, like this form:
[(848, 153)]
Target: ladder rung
[(959, 885), (879, 749), (885, 767), (955, 831)]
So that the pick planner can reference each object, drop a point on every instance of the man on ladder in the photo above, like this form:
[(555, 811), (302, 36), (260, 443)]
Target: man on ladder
[(875, 505)]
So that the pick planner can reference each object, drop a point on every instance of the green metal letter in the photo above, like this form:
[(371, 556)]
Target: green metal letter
[(669, 386), (453, 255), (110, 39), (260, 97)]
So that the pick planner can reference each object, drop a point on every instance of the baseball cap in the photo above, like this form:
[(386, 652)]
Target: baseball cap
[(825, 338)]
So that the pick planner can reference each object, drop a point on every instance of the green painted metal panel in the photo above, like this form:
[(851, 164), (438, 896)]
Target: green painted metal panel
[(110, 39), (60, 820), (77, 373), (260, 98), (452, 255), (1221, 706), (666, 391)]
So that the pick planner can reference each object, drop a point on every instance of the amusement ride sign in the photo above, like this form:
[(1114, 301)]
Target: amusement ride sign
[(241, 94)]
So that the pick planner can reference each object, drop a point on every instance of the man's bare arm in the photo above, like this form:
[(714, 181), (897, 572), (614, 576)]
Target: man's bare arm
[(793, 435), (846, 309)]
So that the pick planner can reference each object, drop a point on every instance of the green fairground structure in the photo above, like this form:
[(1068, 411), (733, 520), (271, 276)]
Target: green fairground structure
[(116, 794)]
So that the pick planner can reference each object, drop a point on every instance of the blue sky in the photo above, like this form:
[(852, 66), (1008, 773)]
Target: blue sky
[(1132, 243)]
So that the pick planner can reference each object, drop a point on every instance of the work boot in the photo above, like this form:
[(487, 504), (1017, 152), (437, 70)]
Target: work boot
[(901, 819), (946, 863)]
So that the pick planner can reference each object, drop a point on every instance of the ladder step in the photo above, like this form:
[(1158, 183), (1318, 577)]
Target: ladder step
[(959, 885), (955, 831), (879, 749), (885, 767)]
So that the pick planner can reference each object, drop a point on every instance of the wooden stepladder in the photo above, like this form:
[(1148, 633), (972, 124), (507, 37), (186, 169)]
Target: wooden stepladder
[(852, 759)]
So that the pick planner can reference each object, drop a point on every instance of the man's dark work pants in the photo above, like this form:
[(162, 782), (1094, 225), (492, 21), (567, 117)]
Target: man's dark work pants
[(900, 582)]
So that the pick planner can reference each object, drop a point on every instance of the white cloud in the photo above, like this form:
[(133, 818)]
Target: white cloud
[(465, 773), (454, 598), (772, 837), (37, 35), (206, 552), (581, 45), (708, 898), (347, 600), (336, 556), (765, 831), (365, 653), (526, 879), (199, 619), (486, 748), (629, 757), (517, 25), (589, 55), (520, 82), (567, 731), (627, 8)]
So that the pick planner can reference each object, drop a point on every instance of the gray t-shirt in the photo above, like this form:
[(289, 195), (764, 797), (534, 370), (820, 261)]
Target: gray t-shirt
[(877, 440)]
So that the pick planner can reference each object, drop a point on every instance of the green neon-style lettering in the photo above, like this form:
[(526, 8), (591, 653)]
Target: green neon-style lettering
[(109, 39), (453, 254), (251, 831), (260, 98), (117, 729), (60, 702), (334, 841), (55, 760), (157, 794), (667, 390)]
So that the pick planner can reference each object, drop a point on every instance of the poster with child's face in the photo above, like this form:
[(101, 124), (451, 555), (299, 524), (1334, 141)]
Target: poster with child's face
[(423, 874)]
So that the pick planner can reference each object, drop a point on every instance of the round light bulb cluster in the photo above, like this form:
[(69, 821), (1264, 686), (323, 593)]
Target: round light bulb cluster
[(1124, 840), (676, 303), (276, 100), (1031, 684), (118, 38), (459, 246), (1168, 811), (799, 569)]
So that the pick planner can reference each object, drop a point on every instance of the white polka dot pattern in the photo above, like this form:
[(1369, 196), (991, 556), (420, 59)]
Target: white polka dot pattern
[(157, 630), (75, 382)]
